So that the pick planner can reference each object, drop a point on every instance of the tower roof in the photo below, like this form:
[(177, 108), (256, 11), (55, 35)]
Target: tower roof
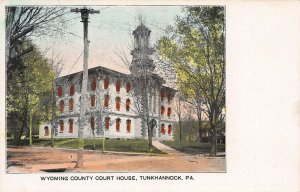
[(141, 29)]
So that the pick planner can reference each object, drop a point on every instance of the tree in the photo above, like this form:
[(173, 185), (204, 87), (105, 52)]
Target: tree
[(146, 84), (28, 93), (196, 49), (24, 22)]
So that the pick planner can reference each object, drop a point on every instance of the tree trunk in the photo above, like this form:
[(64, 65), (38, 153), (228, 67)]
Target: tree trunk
[(213, 141)]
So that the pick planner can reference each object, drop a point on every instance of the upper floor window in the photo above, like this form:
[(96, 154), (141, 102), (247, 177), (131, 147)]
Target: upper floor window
[(59, 91), (169, 97), (169, 129), (93, 100), (162, 110), (94, 84), (71, 125), (71, 104), (72, 89), (127, 104), (128, 125), (61, 106), (118, 85), (118, 103), (107, 121), (92, 123), (61, 126), (106, 83), (169, 111), (118, 121), (128, 87), (106, 100), (162, 95)]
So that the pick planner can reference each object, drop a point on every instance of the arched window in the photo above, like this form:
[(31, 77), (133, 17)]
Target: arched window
[(162, 95), (107, 121), (169, 111), (71, 125), (61, 106), (169, 97), (71, 103), (127, 104), (118, 85), (118, 103), (106, 100), (169, 129), (94, 84), (61, 126), (92, 123), (72, 89), (59, 91), (128, 87), (128, 125), (118, 121), (93, 100), (162, 110), (46, 131), (162, 129), (106, 83)]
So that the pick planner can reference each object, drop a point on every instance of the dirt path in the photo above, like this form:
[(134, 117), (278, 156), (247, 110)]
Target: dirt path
[(28, 160), (166, 149)]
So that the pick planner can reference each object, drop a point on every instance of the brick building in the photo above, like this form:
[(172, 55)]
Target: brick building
[(111, 110)]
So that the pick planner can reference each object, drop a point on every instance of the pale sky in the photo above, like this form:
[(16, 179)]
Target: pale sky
[(109, 31)]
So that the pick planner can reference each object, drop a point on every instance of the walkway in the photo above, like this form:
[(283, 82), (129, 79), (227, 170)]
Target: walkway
[(166, 149)]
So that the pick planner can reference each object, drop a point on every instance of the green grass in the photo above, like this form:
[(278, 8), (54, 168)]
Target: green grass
[(120, 145), (193, 148)]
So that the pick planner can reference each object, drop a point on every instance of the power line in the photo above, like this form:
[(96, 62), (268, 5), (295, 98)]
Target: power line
[(74, 63)]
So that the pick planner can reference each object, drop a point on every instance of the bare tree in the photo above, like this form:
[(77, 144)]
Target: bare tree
[(24, 22)]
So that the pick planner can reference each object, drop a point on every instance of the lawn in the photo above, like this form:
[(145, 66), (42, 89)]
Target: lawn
[(193, 148), (120, 145)]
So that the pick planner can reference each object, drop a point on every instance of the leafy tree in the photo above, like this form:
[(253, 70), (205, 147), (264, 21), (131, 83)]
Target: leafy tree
[(195, 47), (29, 93)]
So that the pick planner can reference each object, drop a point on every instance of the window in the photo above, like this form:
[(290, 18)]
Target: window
[(118, 121), (92, 123), (169, 129), (162, 95), (169, 97), (107, 121), (106, 100), (72, 89), (118, 85), (106, 83), (128, 87), (128, 125), (162, 129), (118, 103), (46, 131), (162, 110), (127, 104), (93, 100), (71, 125), (169, 112), (61, 106), (71, 104), (61, 126), (94, 84), (59, 91)]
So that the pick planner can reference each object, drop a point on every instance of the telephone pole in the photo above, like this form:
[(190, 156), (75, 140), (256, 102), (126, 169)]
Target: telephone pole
[(84, 16)]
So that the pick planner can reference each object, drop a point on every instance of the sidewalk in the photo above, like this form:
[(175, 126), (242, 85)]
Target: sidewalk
[(166, 149)]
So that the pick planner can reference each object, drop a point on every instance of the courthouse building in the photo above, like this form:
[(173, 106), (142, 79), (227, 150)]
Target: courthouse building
[(111, 111)]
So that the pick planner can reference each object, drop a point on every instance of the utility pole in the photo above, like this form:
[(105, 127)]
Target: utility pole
[(84, 16)]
